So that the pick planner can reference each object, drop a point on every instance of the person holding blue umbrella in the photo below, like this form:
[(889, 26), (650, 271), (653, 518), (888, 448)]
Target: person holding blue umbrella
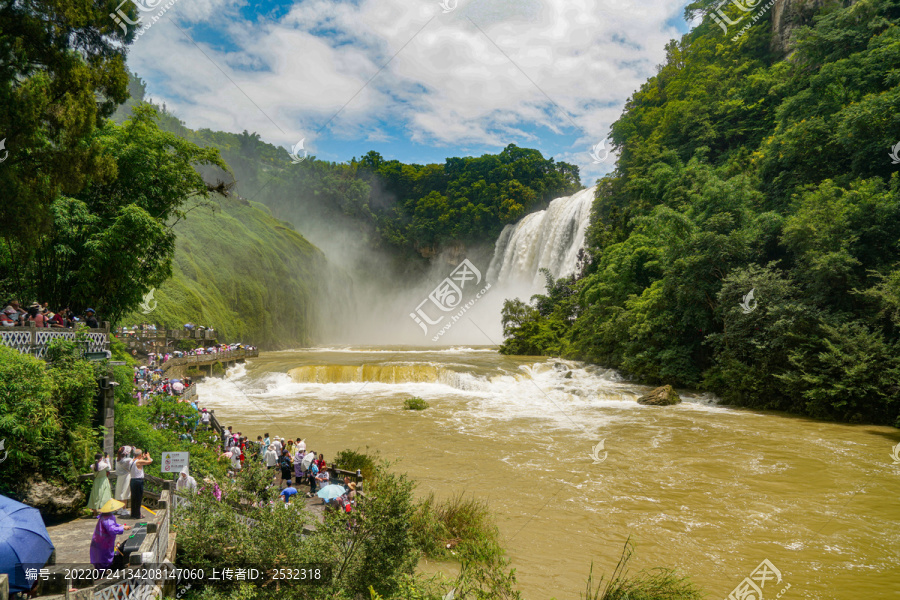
[(23, 541)]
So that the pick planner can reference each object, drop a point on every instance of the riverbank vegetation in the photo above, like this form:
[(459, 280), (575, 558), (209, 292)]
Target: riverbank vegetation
[(652, 584), (748, 241), (372, 550)]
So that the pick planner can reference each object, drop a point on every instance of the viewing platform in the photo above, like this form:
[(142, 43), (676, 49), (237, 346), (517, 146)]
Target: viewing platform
[(207, 361)]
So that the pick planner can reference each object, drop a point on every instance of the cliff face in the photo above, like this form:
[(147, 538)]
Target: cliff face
[(788, 15)]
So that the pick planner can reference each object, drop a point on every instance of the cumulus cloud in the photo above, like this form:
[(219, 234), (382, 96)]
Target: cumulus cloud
[(487, 73)]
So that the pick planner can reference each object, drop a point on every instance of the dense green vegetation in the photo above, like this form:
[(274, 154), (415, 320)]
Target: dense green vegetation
[(162, 426), (51, 102), (374, 549), (46, 416), (742, 170), (386, 203), (244, 273), (395, 205)]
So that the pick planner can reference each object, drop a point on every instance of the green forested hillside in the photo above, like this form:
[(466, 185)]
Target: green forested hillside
[(746, 167), (405, 208), (244, 273)]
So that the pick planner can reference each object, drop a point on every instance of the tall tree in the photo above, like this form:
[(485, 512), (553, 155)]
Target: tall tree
[(62, 72)]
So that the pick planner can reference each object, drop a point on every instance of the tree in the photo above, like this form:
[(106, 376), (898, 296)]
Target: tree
[(112, 241), (62, 72)]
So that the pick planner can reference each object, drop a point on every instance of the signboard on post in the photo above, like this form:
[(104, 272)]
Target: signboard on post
[(174, 462)]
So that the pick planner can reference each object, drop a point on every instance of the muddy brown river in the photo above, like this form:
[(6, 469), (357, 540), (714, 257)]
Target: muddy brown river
[(709, 490)]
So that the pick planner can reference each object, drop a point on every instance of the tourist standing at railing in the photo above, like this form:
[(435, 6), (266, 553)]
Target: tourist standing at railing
[(100, 492), (137, 481), (90, 320), (123, 474)]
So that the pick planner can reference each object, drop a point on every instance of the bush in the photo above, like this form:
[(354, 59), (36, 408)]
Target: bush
[(354, 460), (193, 373), (217, 369), (46, 415), (454, 523), (137, 426), (414, 404), (653, 584)]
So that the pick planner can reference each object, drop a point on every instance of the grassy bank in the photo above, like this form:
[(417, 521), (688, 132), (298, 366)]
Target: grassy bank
[(244, 273)]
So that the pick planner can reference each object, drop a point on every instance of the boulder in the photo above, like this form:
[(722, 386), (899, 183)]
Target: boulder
[(661, 396), (56, 502)]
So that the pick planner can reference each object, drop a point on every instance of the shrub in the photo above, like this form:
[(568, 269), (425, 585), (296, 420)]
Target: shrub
[(46, 415), (651, 584), (456, 522), (354, 460), (136, 426), (414, 404)]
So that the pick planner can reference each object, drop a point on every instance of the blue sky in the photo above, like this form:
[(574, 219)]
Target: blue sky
[(413, 80)]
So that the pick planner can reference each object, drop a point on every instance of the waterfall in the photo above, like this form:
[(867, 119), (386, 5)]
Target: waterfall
[(547, 239)]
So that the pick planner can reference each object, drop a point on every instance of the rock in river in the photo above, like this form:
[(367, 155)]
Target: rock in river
[(661, 396)]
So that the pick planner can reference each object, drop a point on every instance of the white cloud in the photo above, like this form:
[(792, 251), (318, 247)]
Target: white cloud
[(449, 85)]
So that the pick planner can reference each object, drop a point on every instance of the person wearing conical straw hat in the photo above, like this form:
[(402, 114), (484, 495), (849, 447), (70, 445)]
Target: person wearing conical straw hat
[(103, 543)]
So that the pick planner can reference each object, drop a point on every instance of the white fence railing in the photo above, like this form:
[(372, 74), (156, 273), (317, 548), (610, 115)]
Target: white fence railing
[(35, 340)]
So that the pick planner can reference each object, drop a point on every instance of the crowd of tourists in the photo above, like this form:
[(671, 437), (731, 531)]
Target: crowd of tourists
[(40, 315), (292, 466), (157, 360), (150, 382)]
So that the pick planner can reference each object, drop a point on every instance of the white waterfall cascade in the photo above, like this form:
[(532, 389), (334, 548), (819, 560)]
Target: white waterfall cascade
[(547, 239)]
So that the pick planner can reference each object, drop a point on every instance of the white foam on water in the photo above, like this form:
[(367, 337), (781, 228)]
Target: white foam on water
[(365, 350), (562, 394)]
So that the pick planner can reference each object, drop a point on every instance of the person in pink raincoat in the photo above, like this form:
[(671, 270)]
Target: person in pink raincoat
[(103, 543)]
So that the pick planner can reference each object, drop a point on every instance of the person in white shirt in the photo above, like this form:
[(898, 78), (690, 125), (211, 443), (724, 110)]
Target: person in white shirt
[(271, 457), (185, 482), (123, 474), (137, 481), (278, 446)]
